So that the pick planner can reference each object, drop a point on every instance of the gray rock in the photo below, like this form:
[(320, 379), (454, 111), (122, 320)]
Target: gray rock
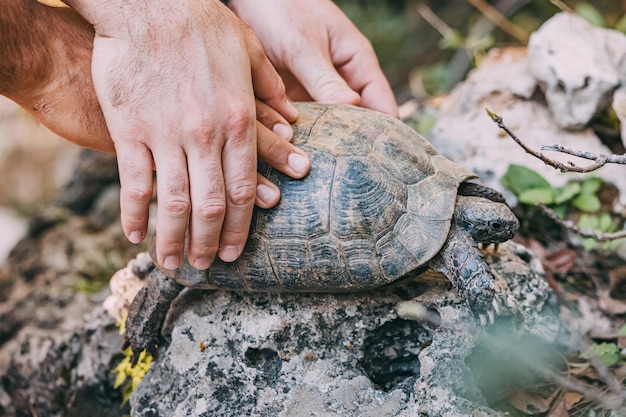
[(62, 373), (405, 350), (503, 83), (577, 66)]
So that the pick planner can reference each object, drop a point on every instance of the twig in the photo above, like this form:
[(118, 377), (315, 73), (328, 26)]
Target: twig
[(600, 159), (570, 225), (435, 21), (500, 20), (562, 6)]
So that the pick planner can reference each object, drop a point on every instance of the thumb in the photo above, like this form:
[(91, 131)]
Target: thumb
[(321, 80)]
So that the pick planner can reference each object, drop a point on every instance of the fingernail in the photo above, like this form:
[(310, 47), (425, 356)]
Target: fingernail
[(298, 163), (229, 253), (171, 262), (135, 237), (266, 193), (202, 263), (284, 131)]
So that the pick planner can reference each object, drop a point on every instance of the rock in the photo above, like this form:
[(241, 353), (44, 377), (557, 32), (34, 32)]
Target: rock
[(62, 373), (619, 106), (577, 67), (57, 346), (263, 354), (503, 83)]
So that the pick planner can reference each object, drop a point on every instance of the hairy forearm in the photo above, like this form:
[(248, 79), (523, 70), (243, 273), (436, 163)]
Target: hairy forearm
[(22, 41), (46, 68)]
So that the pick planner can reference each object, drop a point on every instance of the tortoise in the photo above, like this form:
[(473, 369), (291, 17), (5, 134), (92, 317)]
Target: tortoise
[(378, 204)]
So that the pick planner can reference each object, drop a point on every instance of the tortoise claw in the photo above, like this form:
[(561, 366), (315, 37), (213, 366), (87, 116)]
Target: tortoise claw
[(496, 306)]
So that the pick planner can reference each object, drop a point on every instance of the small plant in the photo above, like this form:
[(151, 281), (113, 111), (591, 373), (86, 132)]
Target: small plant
[(609, 354), (128, 376), (530, 188)]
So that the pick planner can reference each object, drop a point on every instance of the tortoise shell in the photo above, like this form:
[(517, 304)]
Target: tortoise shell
[(376, 205)]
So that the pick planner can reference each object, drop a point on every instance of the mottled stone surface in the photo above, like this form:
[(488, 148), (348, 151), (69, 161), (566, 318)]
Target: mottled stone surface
[(504, 83), (57, 345), (577, 66), (370, 354)]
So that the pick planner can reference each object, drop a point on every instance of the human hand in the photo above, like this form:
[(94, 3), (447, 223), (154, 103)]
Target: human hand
[(177, 87), (319, 52)]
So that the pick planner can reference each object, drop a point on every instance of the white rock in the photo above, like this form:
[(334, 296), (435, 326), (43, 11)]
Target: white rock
[(576, 65), (503, 83)]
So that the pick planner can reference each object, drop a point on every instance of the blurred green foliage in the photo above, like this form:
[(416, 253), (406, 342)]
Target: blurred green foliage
[(420, 59)]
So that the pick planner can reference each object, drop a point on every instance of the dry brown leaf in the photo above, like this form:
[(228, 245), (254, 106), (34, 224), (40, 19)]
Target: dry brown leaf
[(610, 305), (571, 398), (559, 410), (529, 402), (560, 261), (617, 283), (578, 368)]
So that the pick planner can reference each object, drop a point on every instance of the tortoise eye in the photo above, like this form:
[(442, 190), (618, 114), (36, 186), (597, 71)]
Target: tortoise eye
[(496, 225)]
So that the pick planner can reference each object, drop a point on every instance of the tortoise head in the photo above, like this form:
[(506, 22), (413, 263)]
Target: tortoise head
[(485, 220)]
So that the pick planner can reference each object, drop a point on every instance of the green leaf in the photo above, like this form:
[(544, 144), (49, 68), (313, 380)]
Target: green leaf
[(537, 195), (588, 222), (591, 185), (607, 353), (590, 14), (606, 223), (567, 192), (587, 202), (453, 41), (518, 179), (622, 331), (589, 244)]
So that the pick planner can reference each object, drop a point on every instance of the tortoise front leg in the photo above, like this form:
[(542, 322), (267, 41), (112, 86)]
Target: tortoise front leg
[(147, 313), (464, 265)]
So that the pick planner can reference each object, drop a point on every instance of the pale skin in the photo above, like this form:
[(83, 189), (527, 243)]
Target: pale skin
[(179, 96), (319, 53)]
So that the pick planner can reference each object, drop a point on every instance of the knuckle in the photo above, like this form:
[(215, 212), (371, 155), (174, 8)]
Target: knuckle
[(139, 194), (212, 210), (242, 194), (177, 207), (201, 129), (241, 119), (207, 249)]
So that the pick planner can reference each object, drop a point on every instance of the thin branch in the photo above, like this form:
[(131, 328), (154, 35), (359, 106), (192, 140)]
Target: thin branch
[(600, 159), (500, 20), (562, 6), (570, 225), (435, 21)]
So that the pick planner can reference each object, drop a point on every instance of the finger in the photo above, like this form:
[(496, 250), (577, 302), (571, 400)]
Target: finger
[(173, 206), (267, 193), (267, 84), (208, 201), (273, 120), (239, 164), (362, 72), (295, 90), (135, 170), (281, 154), (317, 74)]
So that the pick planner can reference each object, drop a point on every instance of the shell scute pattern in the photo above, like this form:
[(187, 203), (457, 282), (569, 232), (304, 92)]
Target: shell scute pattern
[(376, 205), (363, 200)]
